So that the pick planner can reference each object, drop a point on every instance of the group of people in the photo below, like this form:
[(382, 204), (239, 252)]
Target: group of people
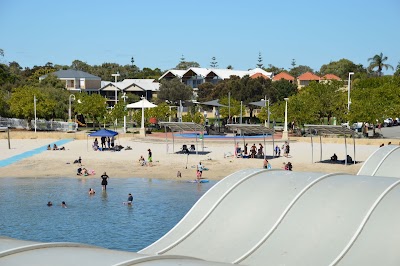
[(55, 148), (106, 142), (149, 161), (252, 153), (63, 204), (285, 148)]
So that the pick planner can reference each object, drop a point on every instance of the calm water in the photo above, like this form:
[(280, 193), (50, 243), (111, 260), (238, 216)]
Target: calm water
[(101, 219)]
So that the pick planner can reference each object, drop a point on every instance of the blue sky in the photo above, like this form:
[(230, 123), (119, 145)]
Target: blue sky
[(157, 33)]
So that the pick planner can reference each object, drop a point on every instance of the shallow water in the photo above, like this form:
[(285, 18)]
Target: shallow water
[(102, 219)]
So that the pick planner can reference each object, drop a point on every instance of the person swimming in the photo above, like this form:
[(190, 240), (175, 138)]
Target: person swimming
[(91, 191), (49, 204), (63, 204)]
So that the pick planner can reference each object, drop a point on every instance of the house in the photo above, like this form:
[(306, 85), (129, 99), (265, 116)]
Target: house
[(195, 76), (285, 76), (330, 77), (76, 80), (305, 79), (142, 87)]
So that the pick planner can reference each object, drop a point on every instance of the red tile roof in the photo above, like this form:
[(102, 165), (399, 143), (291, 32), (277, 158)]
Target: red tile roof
[(308, 76), (257, 75), (331, 77), (283, 75)]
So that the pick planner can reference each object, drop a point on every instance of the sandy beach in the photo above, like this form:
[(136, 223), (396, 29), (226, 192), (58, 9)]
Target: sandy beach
[(166, 163)]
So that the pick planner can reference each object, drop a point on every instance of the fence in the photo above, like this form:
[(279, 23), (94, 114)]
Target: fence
[(41, 125)]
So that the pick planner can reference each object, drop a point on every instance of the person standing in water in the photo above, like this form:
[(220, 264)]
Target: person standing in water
[(104, 181), (130, 199)]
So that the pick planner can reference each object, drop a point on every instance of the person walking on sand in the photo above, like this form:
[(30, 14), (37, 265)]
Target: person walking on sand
[(150, 158), (104, 181)]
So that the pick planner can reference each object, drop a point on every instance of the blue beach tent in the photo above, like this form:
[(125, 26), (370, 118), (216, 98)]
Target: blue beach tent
[(101, 133)]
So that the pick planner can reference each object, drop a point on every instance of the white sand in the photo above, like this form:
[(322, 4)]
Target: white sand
[(125, 163)]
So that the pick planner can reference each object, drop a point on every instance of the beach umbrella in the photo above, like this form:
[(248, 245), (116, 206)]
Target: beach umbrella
[(144, 103)]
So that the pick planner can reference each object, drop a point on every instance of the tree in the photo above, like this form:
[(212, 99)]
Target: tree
[(2, 52), (79, 65), (205, 91), (162, 112), (297, 71), (213, 63), (22, 105), (116, 113), (54, 89), (229, 67), (341, 68), (174, 90), (234, 107), (92, 106), (374, 99), (378, 61), (397, 73), (260, 60), (274, 69), (293, 64), (183, 65), (282, 89)]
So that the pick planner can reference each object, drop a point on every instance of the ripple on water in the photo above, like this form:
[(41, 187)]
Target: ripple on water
[(100, 220)]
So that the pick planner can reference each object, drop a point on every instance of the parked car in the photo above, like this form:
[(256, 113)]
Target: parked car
[(357, 127), (388, 122)]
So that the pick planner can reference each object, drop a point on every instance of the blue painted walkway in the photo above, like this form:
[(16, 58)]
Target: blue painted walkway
[(28, 154)]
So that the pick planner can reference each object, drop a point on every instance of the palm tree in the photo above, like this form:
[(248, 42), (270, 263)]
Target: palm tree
[(378, 61)]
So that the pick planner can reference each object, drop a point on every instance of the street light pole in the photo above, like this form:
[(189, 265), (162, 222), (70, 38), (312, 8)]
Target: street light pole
[(241, 113), (285, 134), (124, 97), (34, 109), (115, 85), (348, 92), (69, 109), (229, 108)]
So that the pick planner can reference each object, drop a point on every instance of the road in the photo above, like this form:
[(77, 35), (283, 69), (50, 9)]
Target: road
[(391, 132)]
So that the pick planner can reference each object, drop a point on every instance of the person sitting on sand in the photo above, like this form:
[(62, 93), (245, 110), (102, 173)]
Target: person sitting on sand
[(85, 172), (266, 164), (79, 171), (179, 174), (142, 161), (91, 191), (334, 157), (55, 148), (49, 147), (95, 145)]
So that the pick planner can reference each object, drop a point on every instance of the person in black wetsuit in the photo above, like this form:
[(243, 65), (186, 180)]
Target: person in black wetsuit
[(130, 199), (104, 182)]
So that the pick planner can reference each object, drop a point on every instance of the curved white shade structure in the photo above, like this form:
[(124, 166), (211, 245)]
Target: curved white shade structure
[(264, 217)]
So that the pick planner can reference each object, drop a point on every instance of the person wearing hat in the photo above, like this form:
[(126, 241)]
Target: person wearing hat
[(150, 158)]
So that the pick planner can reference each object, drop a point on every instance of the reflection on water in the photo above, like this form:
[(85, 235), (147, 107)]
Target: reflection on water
[(101, 219)]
